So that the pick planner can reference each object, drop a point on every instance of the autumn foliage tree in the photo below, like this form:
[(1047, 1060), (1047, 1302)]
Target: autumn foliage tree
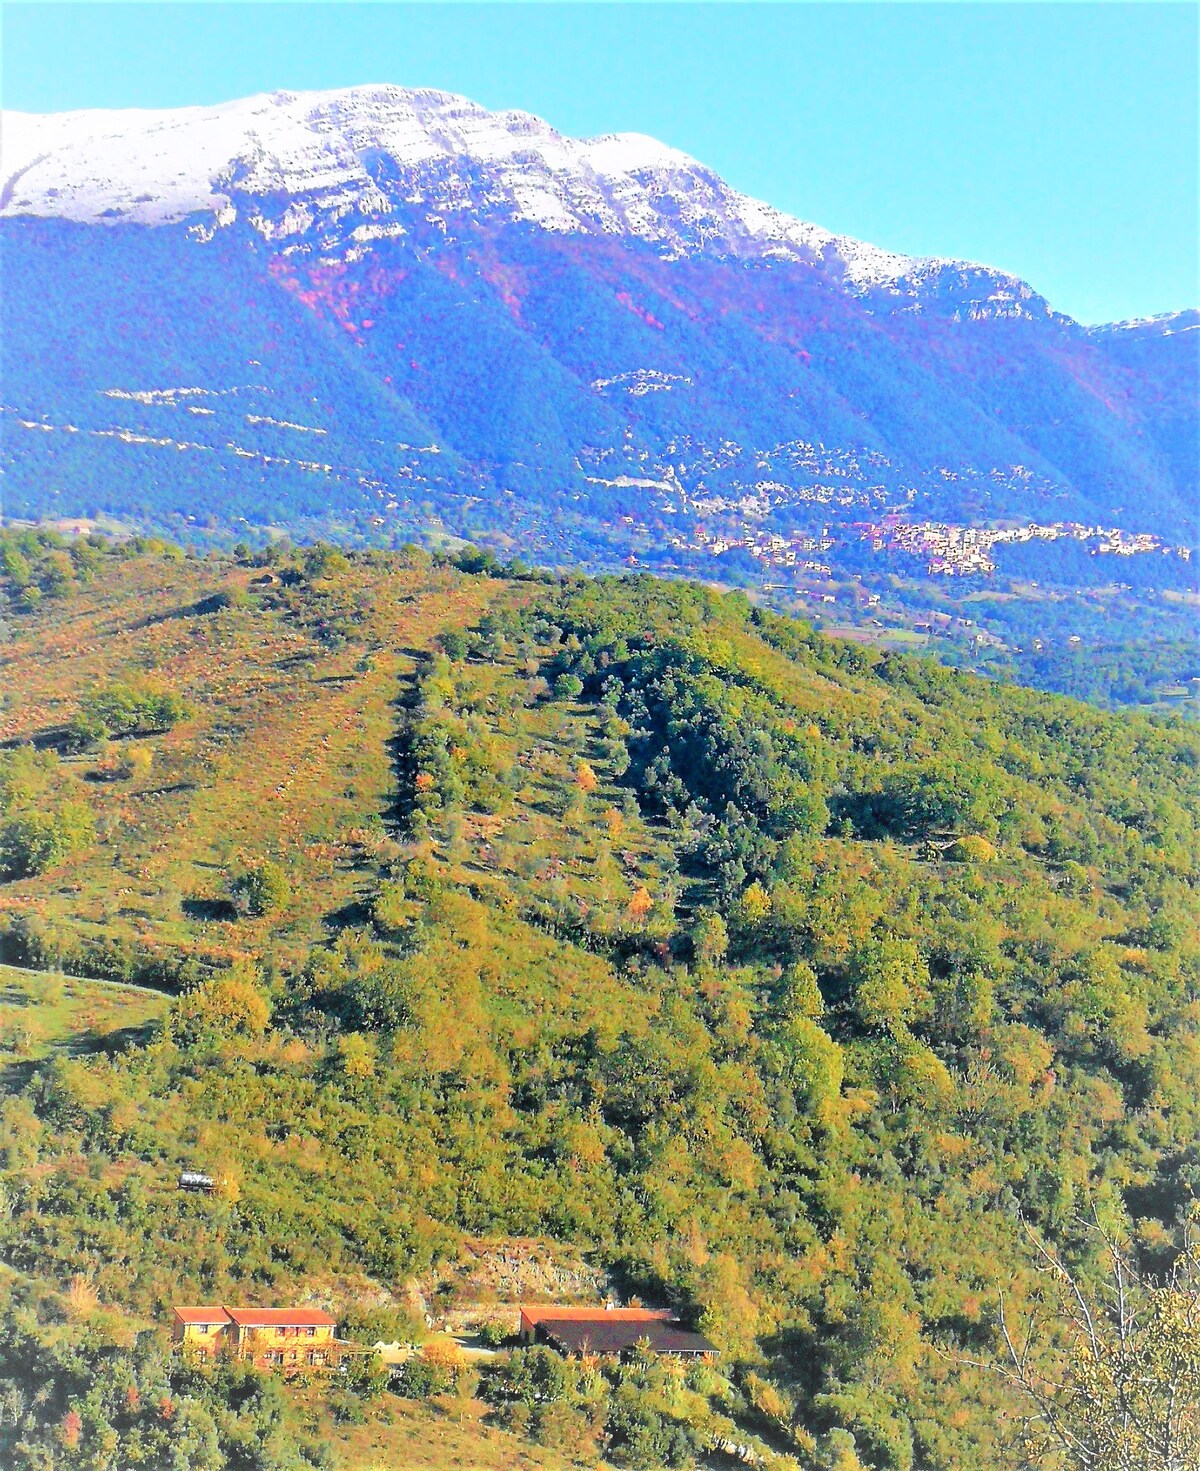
[(231, 1004), (1126, 1394)]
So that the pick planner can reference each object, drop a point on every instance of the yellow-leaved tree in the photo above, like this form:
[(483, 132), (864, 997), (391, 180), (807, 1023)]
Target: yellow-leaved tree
[(1125, 1396), (232, 1003)]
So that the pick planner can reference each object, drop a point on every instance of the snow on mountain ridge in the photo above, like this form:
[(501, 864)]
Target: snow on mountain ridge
[(374, 148), (1164, 324)]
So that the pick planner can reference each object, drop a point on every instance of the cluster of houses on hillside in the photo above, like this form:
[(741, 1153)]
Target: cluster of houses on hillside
[(297, 1340), (952, 551), (767, 546), (948, 550)]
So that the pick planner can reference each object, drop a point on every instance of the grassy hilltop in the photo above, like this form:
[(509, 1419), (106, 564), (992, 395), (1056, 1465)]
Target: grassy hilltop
[(762, 974)]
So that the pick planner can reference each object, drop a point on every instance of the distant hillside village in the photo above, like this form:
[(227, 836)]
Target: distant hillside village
[(961, 550), (948, 550)]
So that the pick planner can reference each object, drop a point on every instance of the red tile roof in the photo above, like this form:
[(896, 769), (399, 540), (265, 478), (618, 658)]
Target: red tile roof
[(281, 1318), (201, 1315), (258, 1317)]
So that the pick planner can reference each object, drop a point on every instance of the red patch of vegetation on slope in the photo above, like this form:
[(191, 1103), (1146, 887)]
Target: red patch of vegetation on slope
[(507, 279), (330, 290), (1088, 367), (639, 311)]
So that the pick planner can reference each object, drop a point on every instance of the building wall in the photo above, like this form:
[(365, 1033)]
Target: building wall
[(205, 1336), (266, 1348), (288, 1348)]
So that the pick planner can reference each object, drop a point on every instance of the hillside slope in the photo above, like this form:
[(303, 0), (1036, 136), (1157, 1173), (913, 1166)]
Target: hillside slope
[(780, 977)]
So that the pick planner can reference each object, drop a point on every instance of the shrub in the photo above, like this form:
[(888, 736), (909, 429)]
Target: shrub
[(425, 1374), (119, 709), (85, 732), (492, 1333), (346, 1407), (29, 844), (259, 888), (891, 983), (378, 1001), (970, 849), (453, 644), (475, 560), (643, 1437), (357, 1055), (228, 1005), (710, 940), (367, 1324), (799, 993), (530, 1376), (367, 1375), (392, 909), (134, 761), (322, 560), (33, 842)]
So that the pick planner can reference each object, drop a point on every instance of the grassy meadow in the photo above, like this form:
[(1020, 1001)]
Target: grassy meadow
[(43, 1015), (286, 750)]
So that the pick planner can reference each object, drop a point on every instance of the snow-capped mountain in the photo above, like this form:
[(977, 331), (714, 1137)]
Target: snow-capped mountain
[(376, 306), (380, 152)]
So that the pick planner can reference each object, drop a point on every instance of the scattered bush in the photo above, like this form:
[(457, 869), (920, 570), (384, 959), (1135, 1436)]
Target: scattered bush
[(492, 1333), (453, 644), (259, 887), (121, 709), (33, 842), (435, 1368), (367, 1375), (370, 1324), (970, 849), (134, 762), (230, 1005), (322, 561)]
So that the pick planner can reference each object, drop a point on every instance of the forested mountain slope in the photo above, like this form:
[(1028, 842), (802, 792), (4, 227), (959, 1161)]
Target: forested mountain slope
[(384, 310), (780, 977)]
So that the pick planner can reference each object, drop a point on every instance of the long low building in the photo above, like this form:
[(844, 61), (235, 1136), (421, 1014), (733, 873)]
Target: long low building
[(585, 1330), (269, 1338)]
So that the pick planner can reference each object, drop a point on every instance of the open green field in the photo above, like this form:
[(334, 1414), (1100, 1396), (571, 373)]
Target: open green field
[(43, 1015), (898, 638)]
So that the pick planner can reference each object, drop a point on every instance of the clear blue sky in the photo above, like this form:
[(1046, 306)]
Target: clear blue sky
[(1058, 141)]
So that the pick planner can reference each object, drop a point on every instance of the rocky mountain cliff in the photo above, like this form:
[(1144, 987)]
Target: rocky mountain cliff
[(381, 307)]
